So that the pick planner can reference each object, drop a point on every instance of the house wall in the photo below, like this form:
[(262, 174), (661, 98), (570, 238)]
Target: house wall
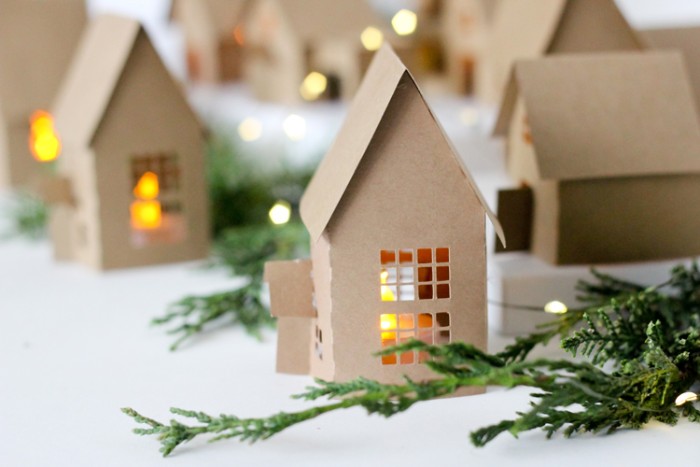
[(275, 63), (545, 220), (4, 154), (521, 162), (322, 366), (201, 40), (629, 219), (408, 192), (464, 34), (147, 115), (342, 58)]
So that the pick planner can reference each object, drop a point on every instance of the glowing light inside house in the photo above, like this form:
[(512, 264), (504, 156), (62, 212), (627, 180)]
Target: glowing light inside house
[(294, 127), (280, 213), (147, 188), (387, 322), (686, 397), (239, 35), (44, 142), (146, 211), (556, 307), (372, 38), (250, 129), (387, 293), (313, 86), (404, 22)]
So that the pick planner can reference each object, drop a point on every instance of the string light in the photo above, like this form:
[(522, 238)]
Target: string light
[(556, 307), (686, 397), (250, 129), (313, 86), (280, 213), (372, 38), (294, 127), (404, 22)]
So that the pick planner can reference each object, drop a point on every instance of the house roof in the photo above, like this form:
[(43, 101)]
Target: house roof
[(37, 40), (94, 74), (315, 20), (685, 39), (607, 115), (338, 168)]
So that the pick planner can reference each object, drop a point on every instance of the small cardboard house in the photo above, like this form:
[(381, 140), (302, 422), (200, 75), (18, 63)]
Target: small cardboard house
[(306, 49), (214, 37), (684, 39), (607, 147), (133, 169), (37, 40), (397, 243), (530, 29)]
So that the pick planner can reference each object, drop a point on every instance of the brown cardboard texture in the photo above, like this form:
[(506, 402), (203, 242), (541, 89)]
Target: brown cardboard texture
[(214, 37), (686, 40), (287, 40), (133, 154), (37, 40), (530, 29), (397, 236), (610, 145)]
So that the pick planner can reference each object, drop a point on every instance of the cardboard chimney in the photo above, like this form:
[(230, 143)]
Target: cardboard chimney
[(531, 29), (684, 39), (37, 40), (133, 157), (397, 243), (214, 37), (306, 49), (607, 146)]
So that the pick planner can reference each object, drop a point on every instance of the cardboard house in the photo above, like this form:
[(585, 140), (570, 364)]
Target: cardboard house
[(606, 148), (37, 40), (530, 29), (397, 243), (214, 38), (686, 40), (132, 188), (306, 49)]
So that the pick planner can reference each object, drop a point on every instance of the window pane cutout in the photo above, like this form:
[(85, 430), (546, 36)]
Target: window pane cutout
[(409, 275), (431, 328)]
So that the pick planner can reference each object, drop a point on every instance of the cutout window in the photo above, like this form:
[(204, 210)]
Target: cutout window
[(431, 328), (156, 209), (318, 343), (409, 275)]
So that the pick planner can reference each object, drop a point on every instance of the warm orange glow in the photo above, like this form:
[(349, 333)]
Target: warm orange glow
[(43, 139), (387, 322), (147, 188), (238, 35), (146, 215), (387, 294)]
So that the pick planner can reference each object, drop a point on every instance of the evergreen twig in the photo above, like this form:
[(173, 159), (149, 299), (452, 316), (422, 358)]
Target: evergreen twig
[(28, 215)]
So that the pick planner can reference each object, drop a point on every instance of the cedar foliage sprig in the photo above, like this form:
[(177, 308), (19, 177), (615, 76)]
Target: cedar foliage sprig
[(244, 252), (649, 335), (28, 217)]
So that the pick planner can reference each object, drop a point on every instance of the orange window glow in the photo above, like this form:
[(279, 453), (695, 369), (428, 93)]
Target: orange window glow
[(44, 142), (146, 215), (148, 187)]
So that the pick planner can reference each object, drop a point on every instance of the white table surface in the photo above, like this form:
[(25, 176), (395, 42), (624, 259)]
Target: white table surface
[(75, 346)]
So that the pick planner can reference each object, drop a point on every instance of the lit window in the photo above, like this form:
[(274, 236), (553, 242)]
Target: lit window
[(431, 328), (420, 274)]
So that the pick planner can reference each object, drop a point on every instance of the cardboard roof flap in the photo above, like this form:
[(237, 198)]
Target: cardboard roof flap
[(93, 76), (366, 112), (607, 115), (316, 20)]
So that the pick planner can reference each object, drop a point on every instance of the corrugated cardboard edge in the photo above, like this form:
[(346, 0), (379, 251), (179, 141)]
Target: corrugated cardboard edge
[(337, 169)]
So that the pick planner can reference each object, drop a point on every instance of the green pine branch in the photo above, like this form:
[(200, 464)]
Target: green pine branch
[(650, 336), (29, 217)]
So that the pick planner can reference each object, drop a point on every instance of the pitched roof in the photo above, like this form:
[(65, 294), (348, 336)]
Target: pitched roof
[(337, 169), (685, 39), (607, 115), (94, 74), (315, 20), (37, 40)]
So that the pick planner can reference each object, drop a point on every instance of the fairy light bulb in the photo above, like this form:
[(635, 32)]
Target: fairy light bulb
[(556, 307), (280, 213), (686, 397)]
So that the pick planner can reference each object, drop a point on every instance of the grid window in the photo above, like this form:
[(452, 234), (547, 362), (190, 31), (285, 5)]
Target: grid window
[(431, 328), (165, 166), (414, 274)]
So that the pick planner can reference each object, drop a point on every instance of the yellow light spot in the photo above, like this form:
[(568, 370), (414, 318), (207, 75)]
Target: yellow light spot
[(387, 294), (556, 307), (43, 139), (280, 213), (146, 215), (239, 35), (313, 86), (404, 22), (686, 397), (387, 322), (250, 129), (147, 188), (372, 38), (294, 127)]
